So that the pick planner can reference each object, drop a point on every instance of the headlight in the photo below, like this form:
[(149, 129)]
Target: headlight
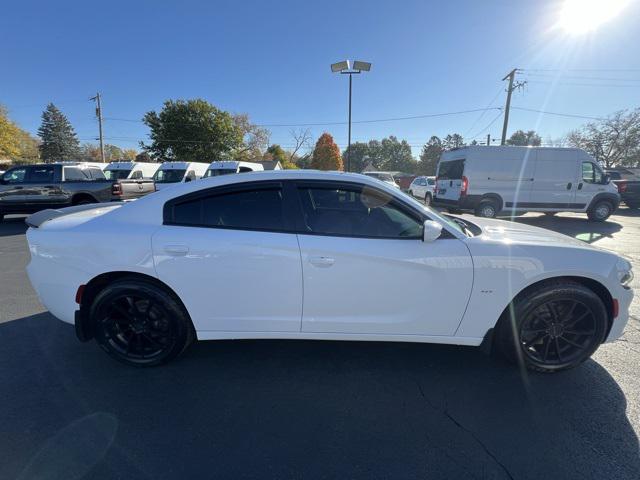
[(625, 273)]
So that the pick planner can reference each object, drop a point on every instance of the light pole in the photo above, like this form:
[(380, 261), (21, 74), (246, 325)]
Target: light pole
[(345, 68)]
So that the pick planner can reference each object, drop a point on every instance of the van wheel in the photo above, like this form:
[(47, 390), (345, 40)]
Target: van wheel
[(487, 209), (427, 199), (600, 211), (552, 328)]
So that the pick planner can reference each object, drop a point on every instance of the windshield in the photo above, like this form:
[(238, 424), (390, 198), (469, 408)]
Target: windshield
[(214, 172), (116, 174), (169, 176)]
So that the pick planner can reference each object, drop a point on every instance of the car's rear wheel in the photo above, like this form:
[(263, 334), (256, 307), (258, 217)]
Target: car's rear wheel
[(139, 323), (427, 199), (600, 211), (553, 328)]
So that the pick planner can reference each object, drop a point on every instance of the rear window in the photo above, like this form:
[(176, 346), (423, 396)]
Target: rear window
[(116, 174), (169, 176), (451, 170), (214, 172)]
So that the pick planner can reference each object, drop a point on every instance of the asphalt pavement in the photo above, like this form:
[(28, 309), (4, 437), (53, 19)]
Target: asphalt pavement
[(303, 409)]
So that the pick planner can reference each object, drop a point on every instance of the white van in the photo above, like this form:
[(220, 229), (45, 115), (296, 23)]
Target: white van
[(488, 180), (228, 167), (130, 170), (178, 172)]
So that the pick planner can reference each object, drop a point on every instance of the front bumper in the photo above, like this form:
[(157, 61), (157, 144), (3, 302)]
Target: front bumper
[(624, 297)]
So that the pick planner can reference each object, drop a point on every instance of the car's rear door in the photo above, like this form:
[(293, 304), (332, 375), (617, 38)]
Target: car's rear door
[(43, 186), (367, 270), (232, 256)]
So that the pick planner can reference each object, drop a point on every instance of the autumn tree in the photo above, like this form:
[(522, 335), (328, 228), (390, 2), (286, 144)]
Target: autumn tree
[(326, 154), (192, 130), (144, 157), (16, 143), (59, 140)]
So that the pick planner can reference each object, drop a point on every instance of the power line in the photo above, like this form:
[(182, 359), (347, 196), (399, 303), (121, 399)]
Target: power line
[(580, 77), (481, 116), (324, 124), (573, 84), (568, 115), (489, 125)]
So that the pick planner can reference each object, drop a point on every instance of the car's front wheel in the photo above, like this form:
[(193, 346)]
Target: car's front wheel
[(555, 327), (427, 199), (600, 211), (139, 323)]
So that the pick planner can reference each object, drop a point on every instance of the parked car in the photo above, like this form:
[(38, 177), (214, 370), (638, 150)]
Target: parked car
[(171, 173), (488, 180), (228, 257), (228, 167), (423, 188), (385, 177), (404, 180), (628, 185), (131, 179), (30, 188)]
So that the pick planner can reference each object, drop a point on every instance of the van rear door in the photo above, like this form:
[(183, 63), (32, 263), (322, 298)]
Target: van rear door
[(449, 179)]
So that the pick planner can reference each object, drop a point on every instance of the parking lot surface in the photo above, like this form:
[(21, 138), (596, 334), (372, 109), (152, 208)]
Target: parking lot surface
[(303, 409)]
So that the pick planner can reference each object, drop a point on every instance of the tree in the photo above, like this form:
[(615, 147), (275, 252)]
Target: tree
[(9, 143), (397, 155), (301, 139), (144, 157), (326, 154), (129, 154), (254, 138), (192, 130), (429, 156), (613, 141), (453, 141), (525, 139), (59, 140), (358, 155), (275, 152), (90, 152)]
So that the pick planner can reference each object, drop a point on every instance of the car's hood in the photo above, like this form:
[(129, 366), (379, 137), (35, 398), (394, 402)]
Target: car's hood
[(512, 232)]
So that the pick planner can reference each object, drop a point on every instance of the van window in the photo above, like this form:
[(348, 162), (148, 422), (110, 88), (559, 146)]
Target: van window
[(451, 170), (96, 173), (169, 176), (591, 173), (116, 174)]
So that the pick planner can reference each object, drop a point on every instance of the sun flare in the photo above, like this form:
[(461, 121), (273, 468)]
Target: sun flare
[(581, 16)]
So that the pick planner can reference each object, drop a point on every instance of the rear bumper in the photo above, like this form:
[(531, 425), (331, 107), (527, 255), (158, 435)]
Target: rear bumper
[(467, 202)]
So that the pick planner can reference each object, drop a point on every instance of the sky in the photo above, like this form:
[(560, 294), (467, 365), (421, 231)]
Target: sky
[(271, 59)]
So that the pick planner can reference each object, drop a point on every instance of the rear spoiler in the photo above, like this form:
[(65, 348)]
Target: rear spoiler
[(38, 218)]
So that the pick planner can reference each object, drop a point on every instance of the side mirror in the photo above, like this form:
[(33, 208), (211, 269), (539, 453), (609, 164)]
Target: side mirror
[(188, 179), (431, 231), (606, 179)]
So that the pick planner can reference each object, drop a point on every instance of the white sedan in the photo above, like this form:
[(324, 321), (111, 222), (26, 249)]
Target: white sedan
[(312, 255)]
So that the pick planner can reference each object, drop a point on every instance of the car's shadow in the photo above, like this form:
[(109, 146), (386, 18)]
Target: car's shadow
[(12, 225), (301, 409)]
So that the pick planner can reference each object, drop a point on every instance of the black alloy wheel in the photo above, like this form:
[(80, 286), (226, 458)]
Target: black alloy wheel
[(140, 324)]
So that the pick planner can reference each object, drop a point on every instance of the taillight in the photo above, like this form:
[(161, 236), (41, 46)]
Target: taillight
[(622, 187), (79, 294), (116, 189), (465, 186)]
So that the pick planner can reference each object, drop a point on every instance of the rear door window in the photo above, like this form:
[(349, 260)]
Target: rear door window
[(451, 170), (260, 208), (41, 174)]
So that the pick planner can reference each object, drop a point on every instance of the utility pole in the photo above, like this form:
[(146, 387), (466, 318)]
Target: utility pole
[(99, 115), (349, 137), (511, 76)]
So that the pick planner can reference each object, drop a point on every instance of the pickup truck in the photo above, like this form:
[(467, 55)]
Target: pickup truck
[(628, 186), (31, 188)]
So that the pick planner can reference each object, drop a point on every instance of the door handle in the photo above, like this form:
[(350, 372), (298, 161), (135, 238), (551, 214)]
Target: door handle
[(176, 250), (569, 185), (320, 261), (580, 186)]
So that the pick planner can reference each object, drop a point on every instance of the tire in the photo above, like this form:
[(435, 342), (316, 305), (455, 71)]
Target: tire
[(600, 211), (555, 327), (550, 214), (487, 209), (427, 199), (140, 324), (410, 193), (84, 201)]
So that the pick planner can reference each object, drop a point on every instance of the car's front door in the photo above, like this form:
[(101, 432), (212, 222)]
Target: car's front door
[(367, 270), (591, 183), (232, 256)]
